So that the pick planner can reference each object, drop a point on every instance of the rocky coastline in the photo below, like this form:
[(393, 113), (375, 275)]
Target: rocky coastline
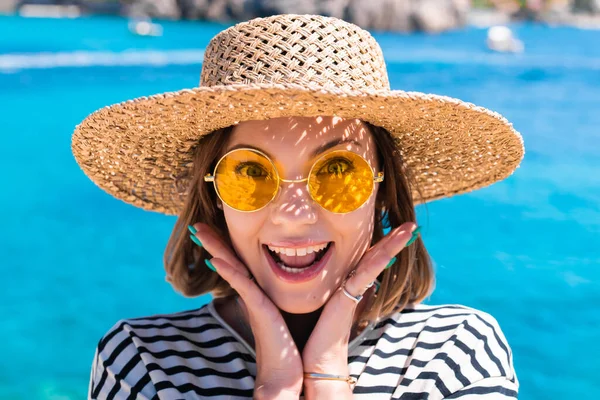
[(380, 15)]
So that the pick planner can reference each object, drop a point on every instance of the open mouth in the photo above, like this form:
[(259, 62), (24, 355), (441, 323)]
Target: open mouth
[(298, 265), (298, 262)]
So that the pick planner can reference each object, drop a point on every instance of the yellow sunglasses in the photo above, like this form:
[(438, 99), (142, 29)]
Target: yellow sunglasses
[(340, 181)]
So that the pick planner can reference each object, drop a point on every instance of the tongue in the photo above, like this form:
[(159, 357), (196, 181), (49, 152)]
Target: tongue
[(298, 261)]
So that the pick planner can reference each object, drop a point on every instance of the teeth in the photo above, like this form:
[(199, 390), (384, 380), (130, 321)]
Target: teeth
[(292, 270), (301, 251)]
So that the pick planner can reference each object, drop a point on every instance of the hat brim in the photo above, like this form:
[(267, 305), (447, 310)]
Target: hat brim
[(136, 150)]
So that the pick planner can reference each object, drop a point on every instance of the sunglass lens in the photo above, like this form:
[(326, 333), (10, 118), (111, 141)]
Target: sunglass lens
[(341, 181), (246, 180)]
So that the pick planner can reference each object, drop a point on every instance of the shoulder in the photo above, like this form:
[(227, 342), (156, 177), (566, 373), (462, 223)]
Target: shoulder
[(475, 332), (121, 363), (449, 316), (453, 346), (128, 332)]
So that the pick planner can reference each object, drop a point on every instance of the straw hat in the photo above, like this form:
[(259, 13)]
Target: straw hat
[(140, 151)]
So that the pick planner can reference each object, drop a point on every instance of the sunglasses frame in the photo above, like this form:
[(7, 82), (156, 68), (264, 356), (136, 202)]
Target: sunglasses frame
[(377, 178)]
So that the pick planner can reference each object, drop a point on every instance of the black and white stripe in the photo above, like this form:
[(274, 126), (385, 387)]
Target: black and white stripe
[(422, 352)]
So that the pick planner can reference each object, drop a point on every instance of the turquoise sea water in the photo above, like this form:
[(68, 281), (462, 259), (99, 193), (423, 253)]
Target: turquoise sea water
[(74, 260)]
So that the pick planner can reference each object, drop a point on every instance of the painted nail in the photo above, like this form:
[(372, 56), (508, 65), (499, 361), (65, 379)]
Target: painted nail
[(414, 237), (192, 229), (209, 264), (392, 261), (377, 286), (196, 240)]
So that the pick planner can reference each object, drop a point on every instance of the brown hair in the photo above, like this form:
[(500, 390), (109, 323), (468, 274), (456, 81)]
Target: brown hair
[(409, 280)]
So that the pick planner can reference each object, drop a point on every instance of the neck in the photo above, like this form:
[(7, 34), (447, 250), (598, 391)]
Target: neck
[(301, 326)]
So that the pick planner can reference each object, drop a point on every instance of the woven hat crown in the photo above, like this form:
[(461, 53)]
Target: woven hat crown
[(307, 50)]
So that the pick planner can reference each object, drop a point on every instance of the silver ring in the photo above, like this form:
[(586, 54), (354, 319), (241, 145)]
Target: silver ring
[(355, 299)]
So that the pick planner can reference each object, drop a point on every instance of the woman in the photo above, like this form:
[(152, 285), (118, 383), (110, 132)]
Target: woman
[(294, 171)]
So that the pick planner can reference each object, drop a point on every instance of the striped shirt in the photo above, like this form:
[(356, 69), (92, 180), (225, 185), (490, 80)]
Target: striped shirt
[(421, 352)]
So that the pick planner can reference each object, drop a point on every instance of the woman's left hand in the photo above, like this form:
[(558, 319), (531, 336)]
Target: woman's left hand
[(327, 348)]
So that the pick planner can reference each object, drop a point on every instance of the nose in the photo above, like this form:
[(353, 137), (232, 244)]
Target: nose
[(293, 205)]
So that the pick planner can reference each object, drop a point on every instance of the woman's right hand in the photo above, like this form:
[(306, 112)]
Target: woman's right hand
[(278, 362)]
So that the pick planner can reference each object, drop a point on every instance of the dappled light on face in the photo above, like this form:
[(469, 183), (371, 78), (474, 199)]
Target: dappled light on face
[(359, 132), (323, 167), (302, 136), (358, 250), (367, 150), (293, 207), (363, 230)]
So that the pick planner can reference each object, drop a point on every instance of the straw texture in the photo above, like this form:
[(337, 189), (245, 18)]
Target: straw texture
[(140, 151)]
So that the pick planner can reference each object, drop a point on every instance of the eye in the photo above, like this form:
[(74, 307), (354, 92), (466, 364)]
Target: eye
[(336, 166), (251, 170)]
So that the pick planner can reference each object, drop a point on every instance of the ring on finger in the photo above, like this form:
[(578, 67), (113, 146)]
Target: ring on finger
[(355, 299)]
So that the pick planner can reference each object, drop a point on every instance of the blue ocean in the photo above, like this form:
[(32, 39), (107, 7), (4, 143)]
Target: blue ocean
[(75, 261)]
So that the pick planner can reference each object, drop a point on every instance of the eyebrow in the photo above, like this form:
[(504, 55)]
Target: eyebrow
[(319, 150), (331, 144)]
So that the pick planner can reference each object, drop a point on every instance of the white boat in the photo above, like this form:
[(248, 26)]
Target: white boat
[(144, 27), (501, 38)]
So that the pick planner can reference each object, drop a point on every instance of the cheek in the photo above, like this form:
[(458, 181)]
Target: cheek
[(362, 219), (241, 224), (355, 230), (242, 228)]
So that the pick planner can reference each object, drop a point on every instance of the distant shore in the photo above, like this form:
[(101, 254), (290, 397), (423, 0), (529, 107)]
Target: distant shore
[(381, 15)]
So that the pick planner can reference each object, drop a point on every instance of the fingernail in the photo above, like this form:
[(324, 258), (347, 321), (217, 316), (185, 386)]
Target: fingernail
[(377, 286), (209, 265), (392, 261), (196, 240), (192, 229), (414, 237)]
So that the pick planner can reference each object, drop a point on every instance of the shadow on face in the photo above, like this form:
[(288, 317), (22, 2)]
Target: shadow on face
[(283, 232)]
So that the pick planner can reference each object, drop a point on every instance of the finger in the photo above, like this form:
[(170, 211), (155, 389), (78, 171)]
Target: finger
[(242, 282), (239, 279), (255, 303), (378, 258), (217, 248)]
